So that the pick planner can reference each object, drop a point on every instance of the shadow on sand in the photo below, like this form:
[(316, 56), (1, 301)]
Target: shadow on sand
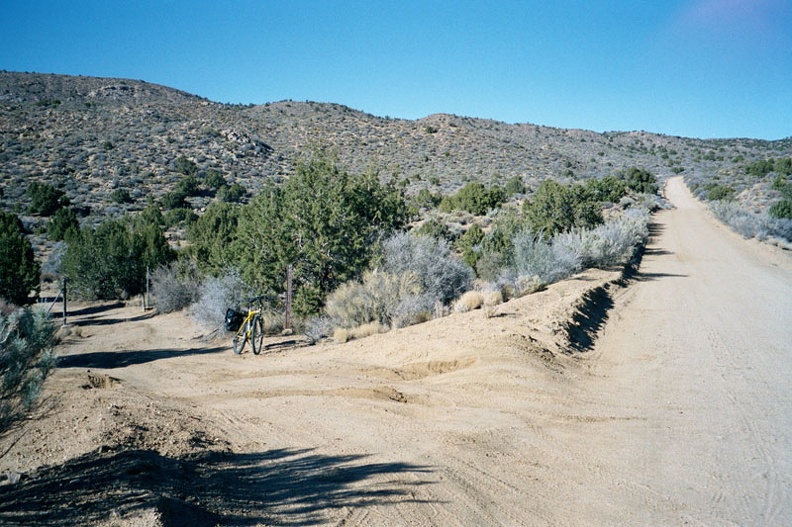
[(277, 487), (120, 359)]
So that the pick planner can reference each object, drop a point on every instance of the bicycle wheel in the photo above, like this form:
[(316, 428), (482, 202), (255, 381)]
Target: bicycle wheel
[(257, 335), (239, 340)]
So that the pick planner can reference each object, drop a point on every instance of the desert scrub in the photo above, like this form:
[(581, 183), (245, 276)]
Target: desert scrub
[(377, 298), (750, 225), (441, 274), (175, 286), (25, 361), (342, 335), (469, 301), (215, 295)]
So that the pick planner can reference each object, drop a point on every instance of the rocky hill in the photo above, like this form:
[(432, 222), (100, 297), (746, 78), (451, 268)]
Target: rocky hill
[(90, 136)]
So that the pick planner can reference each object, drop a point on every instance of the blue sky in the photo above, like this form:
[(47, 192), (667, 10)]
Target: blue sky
[(696, 68)]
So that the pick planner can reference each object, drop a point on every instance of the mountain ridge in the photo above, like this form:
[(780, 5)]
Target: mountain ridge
[(91, 135)]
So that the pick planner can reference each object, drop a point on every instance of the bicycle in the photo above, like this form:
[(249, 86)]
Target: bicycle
[(250, 327)]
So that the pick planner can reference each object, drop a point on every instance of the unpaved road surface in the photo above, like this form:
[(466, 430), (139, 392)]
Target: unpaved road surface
[(680, 413)]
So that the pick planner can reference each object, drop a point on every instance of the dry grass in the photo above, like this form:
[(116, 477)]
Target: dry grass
[(469, 301), (342, 335)]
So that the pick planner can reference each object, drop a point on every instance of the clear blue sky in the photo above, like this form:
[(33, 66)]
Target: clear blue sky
[(696, 68)]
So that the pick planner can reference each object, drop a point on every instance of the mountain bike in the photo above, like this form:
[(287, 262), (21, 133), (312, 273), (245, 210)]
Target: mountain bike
[(249, 327)]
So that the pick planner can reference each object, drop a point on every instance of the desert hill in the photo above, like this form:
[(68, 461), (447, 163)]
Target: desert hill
[(90, 136)]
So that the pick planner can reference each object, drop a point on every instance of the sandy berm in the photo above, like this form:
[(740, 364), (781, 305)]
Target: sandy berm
[(679, 412)]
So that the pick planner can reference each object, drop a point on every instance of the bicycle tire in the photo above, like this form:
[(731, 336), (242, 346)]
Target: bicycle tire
[(257, 335), (238, 344)]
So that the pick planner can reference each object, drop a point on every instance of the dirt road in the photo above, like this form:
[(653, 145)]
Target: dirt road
[(681, 413)]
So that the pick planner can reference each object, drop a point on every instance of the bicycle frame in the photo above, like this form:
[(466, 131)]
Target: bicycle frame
[(252, 330)]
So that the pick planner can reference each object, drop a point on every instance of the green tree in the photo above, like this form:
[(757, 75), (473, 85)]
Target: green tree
[(323, 222), (468, 244), (45, 199), (19, 271), (609, 189), (641, 180), (474, 198), (121, 196), (111, 261), (514, 186), (211, 237), (186, 166), (435, 229), (214, 179), (557, 208), (63, 223)]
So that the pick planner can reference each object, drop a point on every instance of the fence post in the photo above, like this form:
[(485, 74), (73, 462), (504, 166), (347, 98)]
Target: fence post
[(287, 318), (63, 287)]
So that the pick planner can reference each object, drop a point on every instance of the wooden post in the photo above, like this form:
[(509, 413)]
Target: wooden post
[(287, 318), (63, 287)]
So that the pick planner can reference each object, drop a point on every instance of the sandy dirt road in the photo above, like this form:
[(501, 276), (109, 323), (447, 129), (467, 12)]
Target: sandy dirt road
[(681, 412)]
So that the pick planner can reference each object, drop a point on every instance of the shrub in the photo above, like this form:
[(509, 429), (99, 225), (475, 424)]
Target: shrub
[(441, 275), (468, 244), (474, 198), (748, 224), (25, 361), (62, 224), (609, 189), (342, 335), (174, 286), (413, 309), (176, 199), (176, 217), (514, 186), (719, 192), (557, 208), (214, 179), (19, 272), (469, 301), (45, 198), (317, 327), (186, 166), (375, 299), (534, 256), (121, 196), (781, 209), (640, 180), (435, 229), (215, 296), (231, 194)]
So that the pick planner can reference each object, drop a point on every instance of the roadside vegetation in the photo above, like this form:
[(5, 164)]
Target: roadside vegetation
[(755, 202), (404, 221)]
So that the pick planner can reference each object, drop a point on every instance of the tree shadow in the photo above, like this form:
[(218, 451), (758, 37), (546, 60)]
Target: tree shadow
[(95, 320), (93, 310), (277, 487), (121, 359)]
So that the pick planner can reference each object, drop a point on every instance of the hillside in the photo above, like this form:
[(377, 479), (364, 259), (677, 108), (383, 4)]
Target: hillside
[(89, 136)]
